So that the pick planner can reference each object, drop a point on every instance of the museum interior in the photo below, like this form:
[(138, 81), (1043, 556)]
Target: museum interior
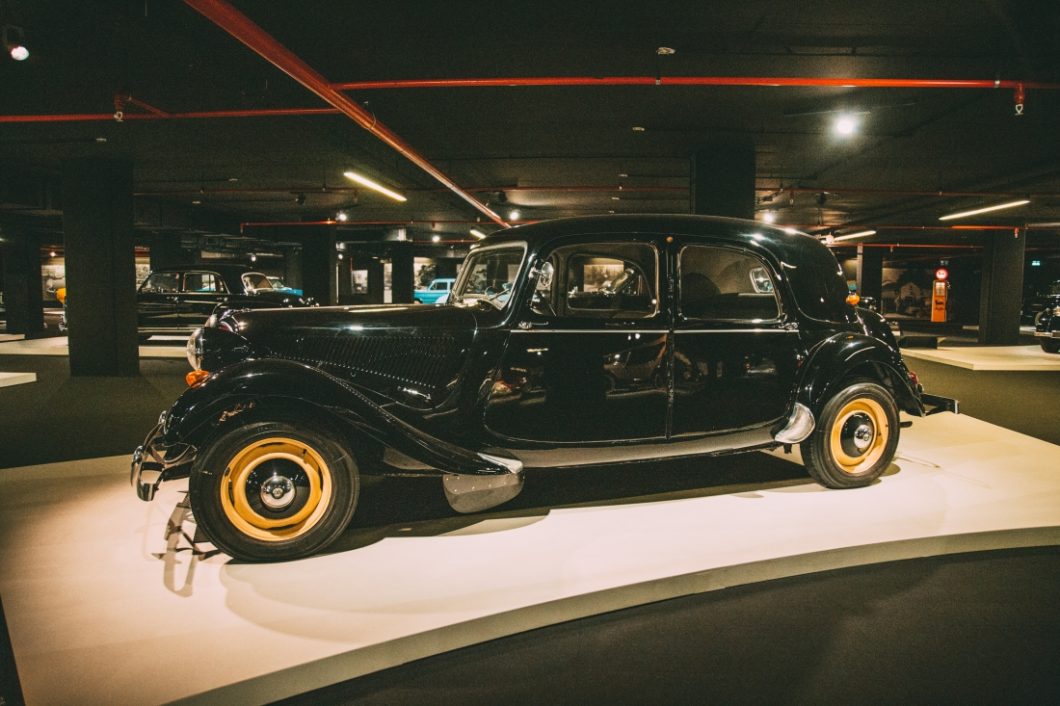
[(165, 161)]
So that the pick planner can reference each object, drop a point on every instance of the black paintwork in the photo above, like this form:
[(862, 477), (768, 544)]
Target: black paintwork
[(183, 311), (438, 385)]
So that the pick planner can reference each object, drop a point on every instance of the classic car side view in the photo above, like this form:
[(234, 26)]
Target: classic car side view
[(177, 300), (564, 343)]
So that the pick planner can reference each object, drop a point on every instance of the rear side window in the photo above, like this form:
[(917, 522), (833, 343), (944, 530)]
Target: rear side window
[(161, 282), (205, 282), (819, 287), (725, 284)]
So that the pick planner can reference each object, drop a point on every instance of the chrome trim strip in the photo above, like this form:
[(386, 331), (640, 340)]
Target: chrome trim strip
[(656, 331), (799, 426)]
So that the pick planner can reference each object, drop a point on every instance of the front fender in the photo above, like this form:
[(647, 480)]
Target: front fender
[(236, 389), (854, 354)]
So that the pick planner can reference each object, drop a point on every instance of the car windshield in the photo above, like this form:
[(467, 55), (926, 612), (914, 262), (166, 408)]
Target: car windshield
[(489, 276)]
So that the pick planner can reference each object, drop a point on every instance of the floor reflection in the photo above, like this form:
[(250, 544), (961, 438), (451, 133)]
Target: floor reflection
[(183, 539)]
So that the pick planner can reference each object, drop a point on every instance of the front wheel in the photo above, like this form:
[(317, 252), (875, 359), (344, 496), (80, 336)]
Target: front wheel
[(272, 491), (855, 438), (1050, 345)]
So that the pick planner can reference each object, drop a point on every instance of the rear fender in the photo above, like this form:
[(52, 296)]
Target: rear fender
[(849, 355)]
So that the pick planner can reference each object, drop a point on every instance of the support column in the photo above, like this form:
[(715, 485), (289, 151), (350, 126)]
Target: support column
[(318, 266), (723, 180), (166, 251), (346, 278), (1001, 295), (375, 280), (23, 297), (870, 272), (292, 264), (100, 267), (402, 275)]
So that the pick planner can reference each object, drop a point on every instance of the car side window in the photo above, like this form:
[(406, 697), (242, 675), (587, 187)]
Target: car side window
[(598, 280), (725, 284), (162, 283), (203, 282)]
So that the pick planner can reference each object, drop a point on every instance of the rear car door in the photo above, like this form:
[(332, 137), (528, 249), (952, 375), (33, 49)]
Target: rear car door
[(202, 291), (156, 302), (735, 349)]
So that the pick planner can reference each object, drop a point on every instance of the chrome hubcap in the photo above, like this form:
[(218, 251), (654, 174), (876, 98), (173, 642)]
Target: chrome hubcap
[(863, 436), (277, 492)]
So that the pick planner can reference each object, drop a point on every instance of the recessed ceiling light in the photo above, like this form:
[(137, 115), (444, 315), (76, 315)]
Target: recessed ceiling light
[(638, 128), (769, 217), (374, 186), (665, 51), (101, 139), (253, 257), (233, 179), (436, 238), (845, 124), (616, 198), (514, 214), (51, 254), (196, 202), (985, 209), (477, 233), (342, 216), (623, 175)]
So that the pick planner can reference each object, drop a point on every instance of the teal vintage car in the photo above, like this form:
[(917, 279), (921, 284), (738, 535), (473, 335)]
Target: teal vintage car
[(435, 293)]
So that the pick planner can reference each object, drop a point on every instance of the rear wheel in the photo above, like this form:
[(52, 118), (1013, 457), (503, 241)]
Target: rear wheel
[(1050, 345), (270, 491), (855, 438)]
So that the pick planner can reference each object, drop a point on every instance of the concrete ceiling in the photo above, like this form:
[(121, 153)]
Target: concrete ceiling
[(548, 150)]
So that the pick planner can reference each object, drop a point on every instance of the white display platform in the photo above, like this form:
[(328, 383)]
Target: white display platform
[(99, 612), (60, 345), (1013, 358), (8, 337), (7, 379)]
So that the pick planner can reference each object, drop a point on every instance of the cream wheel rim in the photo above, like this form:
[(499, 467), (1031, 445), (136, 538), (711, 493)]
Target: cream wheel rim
[(859, 435)]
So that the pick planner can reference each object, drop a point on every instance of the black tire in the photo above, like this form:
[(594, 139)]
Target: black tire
[(1050, 345), (315, 485), (855, 438)]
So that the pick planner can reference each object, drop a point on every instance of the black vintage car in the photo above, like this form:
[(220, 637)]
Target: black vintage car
[(570, 342), (177, 300), (1043, 300), (1047, 328)]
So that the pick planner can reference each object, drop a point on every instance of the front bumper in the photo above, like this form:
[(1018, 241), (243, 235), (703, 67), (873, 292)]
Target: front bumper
[(154, 461)]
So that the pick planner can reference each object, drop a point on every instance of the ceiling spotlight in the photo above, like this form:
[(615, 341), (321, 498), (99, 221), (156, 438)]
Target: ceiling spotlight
[(196, 202), (769, 217), (514, 214), (436, 238), (623, 175), (253, 257), (477, 233), (342, 217), (616, 198), (340, 256), (665, 51), (232, 180), (639, 128), (985, 209), (851, 236), (51, 254), (14, 43), (374, 186), (845, 124)]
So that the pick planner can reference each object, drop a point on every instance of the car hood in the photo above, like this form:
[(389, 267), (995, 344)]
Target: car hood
[(413, 354)]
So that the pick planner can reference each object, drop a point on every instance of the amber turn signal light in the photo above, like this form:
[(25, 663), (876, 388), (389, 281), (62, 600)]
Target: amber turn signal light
[(195, 377), (853, 299)]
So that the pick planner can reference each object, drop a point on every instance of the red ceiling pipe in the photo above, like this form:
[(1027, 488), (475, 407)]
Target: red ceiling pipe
[(903, 246), (242, 28), (331, 222), (775, 81), (893, 192), (202, 114)]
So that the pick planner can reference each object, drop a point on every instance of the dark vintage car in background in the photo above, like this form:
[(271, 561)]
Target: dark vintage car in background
[(177, 300), (1047, 328), (1035, 305), (570, 342)]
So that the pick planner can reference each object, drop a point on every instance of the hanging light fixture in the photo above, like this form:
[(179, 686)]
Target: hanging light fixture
[(374, 186), (985, 209)]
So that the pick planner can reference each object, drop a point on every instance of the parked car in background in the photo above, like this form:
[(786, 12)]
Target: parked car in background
[(435, 293), (1047, 328), (1034, 306), (565, 343), (177, 300), (279, 286)]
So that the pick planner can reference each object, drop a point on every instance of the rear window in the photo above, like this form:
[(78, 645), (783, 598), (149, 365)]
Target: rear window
[(818, 285)]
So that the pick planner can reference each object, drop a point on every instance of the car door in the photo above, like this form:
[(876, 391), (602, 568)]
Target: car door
[(587, 361), (735, 349), (156, 302), (201, 293)]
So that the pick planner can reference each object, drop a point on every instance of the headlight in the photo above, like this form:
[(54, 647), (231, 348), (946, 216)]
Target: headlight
[(193, 350)]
